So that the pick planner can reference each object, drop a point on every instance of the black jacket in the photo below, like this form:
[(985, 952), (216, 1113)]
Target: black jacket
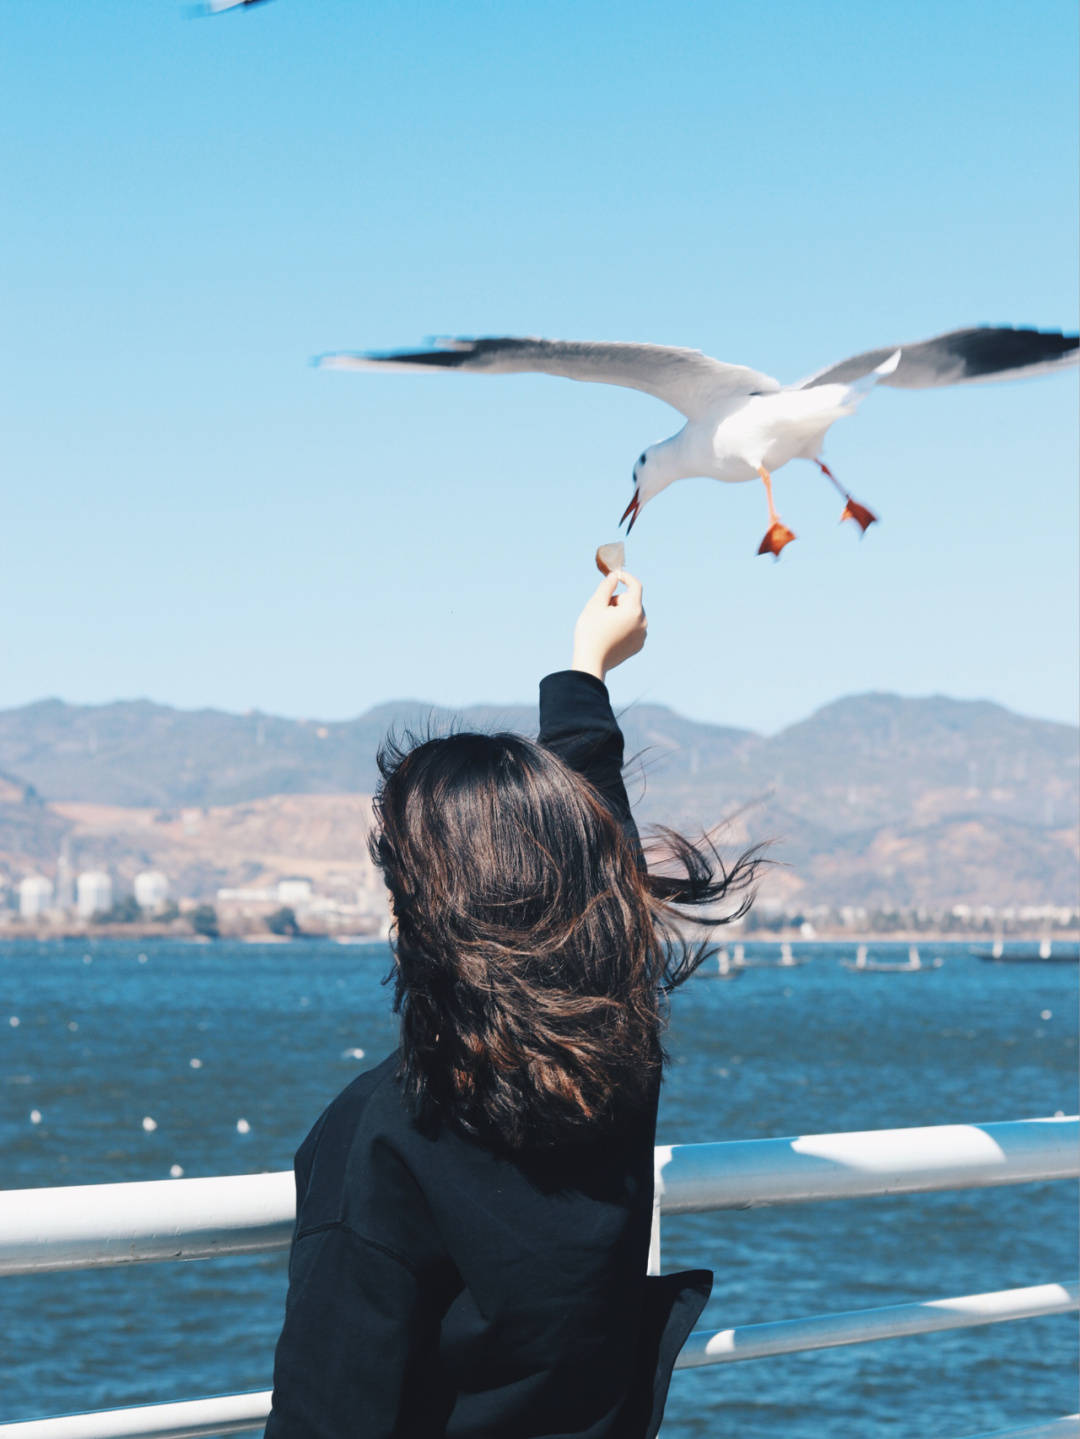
[(440, 1291)]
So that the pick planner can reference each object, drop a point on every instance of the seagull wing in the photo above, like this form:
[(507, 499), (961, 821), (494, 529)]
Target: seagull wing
[(959, 357), (695, 384)]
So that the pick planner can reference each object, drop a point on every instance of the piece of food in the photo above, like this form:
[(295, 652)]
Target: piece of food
[(611, 557)]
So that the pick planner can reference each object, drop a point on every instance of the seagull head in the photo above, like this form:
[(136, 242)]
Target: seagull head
[(650, 478)]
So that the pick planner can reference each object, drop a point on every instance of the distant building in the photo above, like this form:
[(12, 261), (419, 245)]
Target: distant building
[(372, 901), (35, 896), (65, 879), (151, 889), (247, 896), (294, 891), (94, 892)]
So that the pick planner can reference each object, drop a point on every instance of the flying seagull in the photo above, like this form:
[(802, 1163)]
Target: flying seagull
[(215, 7), (741, 424)]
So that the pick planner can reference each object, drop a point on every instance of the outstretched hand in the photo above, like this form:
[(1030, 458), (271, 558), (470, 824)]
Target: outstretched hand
[(611, 627)]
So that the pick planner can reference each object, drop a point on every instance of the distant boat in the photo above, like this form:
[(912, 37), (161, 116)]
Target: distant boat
[(1043, 953), (913, 964), (786, 961), (724, 968)]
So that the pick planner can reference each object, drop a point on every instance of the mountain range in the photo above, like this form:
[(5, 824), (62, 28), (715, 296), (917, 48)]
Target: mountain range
[(873, 800)]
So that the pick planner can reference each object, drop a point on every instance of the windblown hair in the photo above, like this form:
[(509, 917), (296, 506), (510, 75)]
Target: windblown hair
[(533, 950)]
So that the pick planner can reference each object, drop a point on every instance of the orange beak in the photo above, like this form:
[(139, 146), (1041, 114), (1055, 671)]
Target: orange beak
[(632, 509)]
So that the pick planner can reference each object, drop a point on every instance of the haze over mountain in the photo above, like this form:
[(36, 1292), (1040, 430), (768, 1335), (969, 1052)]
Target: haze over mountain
[(874, 799)]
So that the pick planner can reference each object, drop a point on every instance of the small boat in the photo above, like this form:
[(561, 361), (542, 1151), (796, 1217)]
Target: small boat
[(913, 964), (724, 968), (786, 961), (1045, 953), (860, 959)]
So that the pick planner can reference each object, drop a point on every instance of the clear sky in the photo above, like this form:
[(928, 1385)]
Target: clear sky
[(196, 206)]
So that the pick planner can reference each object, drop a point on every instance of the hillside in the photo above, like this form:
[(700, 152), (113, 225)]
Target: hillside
[(873, 799)]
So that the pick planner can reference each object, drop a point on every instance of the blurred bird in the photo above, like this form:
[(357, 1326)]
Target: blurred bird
[(741, 424), (215, 7)]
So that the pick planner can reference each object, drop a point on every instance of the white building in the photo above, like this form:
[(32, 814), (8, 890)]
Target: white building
[(247, 896), (294, 891), (65, 880), (94, 892), (35, 896), (151, 890)]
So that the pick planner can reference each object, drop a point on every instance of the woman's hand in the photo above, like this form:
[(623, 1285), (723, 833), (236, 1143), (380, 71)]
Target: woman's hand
[(611, 627)]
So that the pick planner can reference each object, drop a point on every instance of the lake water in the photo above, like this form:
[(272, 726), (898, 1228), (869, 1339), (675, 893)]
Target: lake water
[(101, 1045)]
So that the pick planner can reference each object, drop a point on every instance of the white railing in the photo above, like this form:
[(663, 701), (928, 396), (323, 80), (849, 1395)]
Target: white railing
[(747, 1174), (1064, 1428), (87, 1226), (861, 1326), (190, 1419)]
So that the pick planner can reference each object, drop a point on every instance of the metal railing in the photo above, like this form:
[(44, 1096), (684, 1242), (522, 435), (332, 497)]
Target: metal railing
[(91, 1226)]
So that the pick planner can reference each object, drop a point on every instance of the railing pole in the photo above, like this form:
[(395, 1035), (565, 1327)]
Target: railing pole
[(190, 1419), (1068, 1427), (85, 1226), (698, 1177), (864, 1326)]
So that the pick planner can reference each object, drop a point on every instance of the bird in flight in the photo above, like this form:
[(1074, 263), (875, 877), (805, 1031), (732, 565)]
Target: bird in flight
[(215, 7), (741, 424)]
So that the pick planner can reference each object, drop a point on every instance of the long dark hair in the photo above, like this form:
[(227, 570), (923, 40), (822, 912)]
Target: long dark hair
[(533, 949)]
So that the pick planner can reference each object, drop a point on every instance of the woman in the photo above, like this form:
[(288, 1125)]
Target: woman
[(474, 1214)]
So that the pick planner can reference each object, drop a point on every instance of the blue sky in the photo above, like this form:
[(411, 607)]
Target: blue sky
[(193, 514)]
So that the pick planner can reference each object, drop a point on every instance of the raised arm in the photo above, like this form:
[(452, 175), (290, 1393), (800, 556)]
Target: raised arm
[(576, 719)]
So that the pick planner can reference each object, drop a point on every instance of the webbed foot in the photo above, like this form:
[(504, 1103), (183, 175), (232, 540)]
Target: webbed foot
[(863, 517), (776, 537)]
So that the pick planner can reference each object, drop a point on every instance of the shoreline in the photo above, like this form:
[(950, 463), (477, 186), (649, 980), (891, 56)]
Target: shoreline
[(154, 934)]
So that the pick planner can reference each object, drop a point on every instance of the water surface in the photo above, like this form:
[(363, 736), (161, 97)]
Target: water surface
[(107, 1036)]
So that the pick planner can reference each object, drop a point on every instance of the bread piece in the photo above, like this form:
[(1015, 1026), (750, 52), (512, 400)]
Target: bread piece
[(611, 557)]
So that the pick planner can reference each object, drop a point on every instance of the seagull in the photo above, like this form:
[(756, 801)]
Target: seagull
[(740, 424), (215, 7)]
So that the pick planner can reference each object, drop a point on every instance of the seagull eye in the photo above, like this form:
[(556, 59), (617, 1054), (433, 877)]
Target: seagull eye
[(641, 458)]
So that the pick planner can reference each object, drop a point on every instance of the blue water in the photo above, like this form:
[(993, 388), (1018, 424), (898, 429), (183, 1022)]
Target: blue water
[(101, 1045)]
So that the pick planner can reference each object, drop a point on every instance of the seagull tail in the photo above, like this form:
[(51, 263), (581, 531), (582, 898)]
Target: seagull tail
[(858, 389), (866, 383)]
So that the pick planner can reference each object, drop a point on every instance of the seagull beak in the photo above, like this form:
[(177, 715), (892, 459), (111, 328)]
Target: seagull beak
[(632, 509)]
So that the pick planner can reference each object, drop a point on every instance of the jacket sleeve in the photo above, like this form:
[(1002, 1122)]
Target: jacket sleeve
[(358, 1337), (577, 724)]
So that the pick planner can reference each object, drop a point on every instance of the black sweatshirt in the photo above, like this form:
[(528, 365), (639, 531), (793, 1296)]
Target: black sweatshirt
[(440, 1291)]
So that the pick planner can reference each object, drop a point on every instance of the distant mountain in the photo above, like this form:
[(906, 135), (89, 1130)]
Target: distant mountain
[(137, 753), (30, 832), (873, 799)]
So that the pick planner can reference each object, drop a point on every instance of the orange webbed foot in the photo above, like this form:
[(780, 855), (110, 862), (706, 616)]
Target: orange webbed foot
[(863, 517), (776, 537)]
